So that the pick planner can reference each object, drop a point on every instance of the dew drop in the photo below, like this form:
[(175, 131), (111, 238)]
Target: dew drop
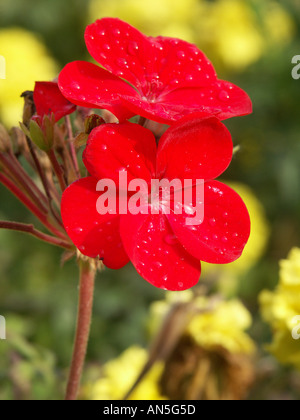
[(104, 147), (106, 47), (122, 62), (212, 222), (181, 54), (224, 96), (116, 32), (78, 230), (189, 78), (165, 278), (224, 239), (180, 284), (133, 47)]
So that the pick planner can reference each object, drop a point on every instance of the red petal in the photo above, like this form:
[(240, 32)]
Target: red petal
[(94, 235), (151, 64), (113, 148), (48, 99), (221, 238), (223, 99), (183, 65), (156, 253), (88, 85), (121, 49), (196, 148)]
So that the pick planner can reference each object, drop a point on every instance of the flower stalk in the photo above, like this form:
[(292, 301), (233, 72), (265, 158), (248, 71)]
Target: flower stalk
[(85, 305)]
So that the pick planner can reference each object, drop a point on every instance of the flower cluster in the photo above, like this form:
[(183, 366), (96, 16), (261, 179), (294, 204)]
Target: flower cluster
[(167, 81), (162, 106), (281, 309)]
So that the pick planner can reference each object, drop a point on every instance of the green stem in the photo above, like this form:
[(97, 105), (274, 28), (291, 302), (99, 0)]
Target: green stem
[(30, 205), (85, 306), (57, 169), (31, 230)]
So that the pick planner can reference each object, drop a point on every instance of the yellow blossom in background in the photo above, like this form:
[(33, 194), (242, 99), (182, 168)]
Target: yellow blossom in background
[(228, 274), (212, 324), (279, 309), (120, 374), (231, 32), (153, 17), (225, 327), (27, 60)]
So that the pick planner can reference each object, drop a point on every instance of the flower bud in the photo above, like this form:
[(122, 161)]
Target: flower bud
[(42, 133)]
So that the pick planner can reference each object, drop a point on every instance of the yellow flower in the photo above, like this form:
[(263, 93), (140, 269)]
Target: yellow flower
[(212, 324), (27, 61), (224, 326), (120, 374), (231, 32), (153, 17), (234, 33), (279, 309), (228, 274)]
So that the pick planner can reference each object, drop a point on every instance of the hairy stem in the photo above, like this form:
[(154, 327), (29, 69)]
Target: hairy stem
[(58, 170), (31, 230), (30, 205), (86, 294)]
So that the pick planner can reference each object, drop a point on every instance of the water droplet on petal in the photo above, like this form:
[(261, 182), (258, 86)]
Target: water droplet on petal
[(181, 54), (180, 285), (133, 47), (122, 62), (189, 78), (212, 221), (171, 239), (224, 239), (224, 96), (106, 47), (78, 230)]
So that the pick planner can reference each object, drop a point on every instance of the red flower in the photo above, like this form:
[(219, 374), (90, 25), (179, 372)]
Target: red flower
[(163, 248), (48, 99), (169, 78)]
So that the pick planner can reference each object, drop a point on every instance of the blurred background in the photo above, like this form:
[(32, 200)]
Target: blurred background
[(251, 43)]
